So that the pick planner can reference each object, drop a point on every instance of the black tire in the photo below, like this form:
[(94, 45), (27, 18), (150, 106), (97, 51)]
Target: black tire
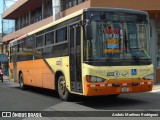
[(21, 83), (62, 90), (113, 96)]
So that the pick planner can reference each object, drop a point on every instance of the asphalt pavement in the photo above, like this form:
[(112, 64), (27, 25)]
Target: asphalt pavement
[(12, 98)]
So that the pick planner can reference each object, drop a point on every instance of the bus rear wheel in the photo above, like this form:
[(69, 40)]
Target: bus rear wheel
[(62, 90), (113, 95), (21, 83)]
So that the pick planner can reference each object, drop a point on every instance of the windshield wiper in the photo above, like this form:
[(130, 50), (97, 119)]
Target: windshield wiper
[(135, 56), (109, 60), (133, 52), (125, 41)]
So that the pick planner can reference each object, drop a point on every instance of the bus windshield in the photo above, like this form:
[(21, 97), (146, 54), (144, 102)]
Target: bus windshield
[(117, 39)]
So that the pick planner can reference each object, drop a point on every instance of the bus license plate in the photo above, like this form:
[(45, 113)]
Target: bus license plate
[(125, 89)]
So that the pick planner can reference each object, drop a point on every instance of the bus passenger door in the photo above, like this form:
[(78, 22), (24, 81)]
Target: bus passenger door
[(75, 58), (15, 63)]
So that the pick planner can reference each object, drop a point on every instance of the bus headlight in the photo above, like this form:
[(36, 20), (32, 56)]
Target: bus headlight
[(149, 77), (94, 79)]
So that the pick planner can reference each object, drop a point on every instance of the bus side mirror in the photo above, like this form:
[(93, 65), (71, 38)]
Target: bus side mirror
[(88, 32)]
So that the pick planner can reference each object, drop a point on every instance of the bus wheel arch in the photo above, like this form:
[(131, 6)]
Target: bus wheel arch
[(57, 75), (60, 85)]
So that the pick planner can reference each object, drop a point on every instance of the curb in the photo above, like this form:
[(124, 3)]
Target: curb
[(6, 78), (155, 87)]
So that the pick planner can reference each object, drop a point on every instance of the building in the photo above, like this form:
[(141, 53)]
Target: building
[(32, 14)]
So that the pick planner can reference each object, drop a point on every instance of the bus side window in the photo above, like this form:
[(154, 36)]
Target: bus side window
[(39, 41), (61, 35), (49, 38), (30, 43)]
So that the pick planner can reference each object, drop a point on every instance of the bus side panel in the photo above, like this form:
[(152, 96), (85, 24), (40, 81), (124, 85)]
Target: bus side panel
[(48, 81), (36, 73), (61, 64)]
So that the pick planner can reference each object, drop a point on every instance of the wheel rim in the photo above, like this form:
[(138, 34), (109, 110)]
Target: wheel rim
[(62, 87)]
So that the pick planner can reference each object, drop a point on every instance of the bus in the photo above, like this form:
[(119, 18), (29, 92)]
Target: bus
[(92, 52)]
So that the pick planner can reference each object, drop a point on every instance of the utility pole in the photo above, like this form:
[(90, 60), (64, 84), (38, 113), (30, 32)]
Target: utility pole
[(2, 21)]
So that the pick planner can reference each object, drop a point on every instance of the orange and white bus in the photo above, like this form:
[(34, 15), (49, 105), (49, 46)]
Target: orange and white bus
[(92, 52)]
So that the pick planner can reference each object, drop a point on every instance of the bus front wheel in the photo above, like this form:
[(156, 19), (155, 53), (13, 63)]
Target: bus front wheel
[(62, 90), (113, 95)]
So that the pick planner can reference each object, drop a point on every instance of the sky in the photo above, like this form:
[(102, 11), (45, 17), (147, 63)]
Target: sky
[(8, 4), (1, 10)]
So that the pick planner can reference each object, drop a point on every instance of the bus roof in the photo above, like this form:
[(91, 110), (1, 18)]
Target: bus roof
[(86, 9), (110, 9)]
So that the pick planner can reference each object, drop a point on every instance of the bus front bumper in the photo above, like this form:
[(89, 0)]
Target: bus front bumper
[(117, 87)]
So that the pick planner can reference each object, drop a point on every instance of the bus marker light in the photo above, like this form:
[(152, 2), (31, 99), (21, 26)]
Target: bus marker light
[(142, 83), (124, 84), (149, 83), (109, 85), (102, 85), (92, 85), (96, 85), (115, 84), (135, 83)]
